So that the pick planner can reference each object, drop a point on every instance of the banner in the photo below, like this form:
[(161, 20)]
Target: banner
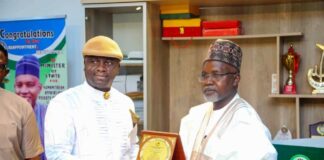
[(37, 53)]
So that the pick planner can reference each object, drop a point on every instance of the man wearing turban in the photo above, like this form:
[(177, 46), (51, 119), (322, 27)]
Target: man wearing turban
[(93, 120), (27, 85), (19, 133), (225, 127)]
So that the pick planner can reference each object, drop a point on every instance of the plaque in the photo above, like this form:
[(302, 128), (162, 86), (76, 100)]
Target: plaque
[(316, 130), (160, 146), (274, 84)]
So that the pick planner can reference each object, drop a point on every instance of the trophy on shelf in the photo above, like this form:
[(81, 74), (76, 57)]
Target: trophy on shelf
[(291, 62), (315, 77)]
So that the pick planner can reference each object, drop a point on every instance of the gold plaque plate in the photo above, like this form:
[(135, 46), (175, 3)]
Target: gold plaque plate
[(156, 148), (160, 146)]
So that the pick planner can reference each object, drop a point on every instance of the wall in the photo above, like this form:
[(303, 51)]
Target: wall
[(16, 9), (128, 32)]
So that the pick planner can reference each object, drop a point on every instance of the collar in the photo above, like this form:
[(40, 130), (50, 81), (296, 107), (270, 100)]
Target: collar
[(228, 104), (232, 100), (96, 93)]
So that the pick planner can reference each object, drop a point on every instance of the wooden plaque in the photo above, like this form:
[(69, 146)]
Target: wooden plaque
[(160, 146)]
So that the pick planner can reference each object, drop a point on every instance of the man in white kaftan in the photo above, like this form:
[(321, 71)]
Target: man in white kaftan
[(93, 121), (82, 124), (226, 127), (245, 137)]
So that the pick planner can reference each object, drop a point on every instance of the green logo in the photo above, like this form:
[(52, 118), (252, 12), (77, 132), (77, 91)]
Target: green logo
[(299, 157)]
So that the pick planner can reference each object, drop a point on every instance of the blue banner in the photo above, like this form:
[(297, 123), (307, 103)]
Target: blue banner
[(43, 42)]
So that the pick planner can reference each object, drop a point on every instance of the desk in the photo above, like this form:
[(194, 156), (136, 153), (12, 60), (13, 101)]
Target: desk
[(304, 149)]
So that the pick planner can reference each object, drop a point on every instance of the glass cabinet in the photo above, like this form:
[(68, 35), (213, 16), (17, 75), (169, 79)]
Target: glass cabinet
[(126, 24)]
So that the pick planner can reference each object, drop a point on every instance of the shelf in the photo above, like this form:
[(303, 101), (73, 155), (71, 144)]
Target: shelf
[(296, 96), (127, 62), (252, 36), (135, 95)]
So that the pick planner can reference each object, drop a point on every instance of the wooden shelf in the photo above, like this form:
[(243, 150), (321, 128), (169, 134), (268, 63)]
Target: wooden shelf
[(298, 100), (252, 36), (296, 96), (135, 95), (279, 40)]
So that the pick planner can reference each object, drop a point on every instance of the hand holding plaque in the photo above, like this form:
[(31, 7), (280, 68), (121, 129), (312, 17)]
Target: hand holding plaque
[(291, 62)]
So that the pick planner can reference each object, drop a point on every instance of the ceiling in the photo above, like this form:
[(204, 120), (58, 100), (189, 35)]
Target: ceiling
[(200, 3)]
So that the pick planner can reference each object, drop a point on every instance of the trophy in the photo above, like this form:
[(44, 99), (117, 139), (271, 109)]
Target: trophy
[(291, 62), (315, 78)]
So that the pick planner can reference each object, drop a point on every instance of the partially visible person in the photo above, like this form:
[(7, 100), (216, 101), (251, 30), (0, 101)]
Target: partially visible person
[(19, 136), (93, 120), (27, 85), (226, 127), (3, 64)]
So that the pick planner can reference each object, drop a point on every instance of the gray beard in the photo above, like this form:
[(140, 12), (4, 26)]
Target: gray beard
[(213, 98)]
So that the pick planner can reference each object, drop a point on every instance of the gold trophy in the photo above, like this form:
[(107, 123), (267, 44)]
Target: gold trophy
[(315, 78), (291, 62)]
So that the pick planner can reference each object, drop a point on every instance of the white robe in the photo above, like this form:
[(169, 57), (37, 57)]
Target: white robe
[(245, 138), (81, 124)]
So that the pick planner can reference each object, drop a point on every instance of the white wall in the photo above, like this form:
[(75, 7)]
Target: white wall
[(128, 32), (75, 26)]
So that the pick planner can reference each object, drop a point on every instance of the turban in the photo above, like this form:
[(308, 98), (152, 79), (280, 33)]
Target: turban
[(102, 46), (225, 51), (28, 65)]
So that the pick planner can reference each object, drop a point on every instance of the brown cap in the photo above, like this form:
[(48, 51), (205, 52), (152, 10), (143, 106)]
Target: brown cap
[(225, 51), (102, 46)]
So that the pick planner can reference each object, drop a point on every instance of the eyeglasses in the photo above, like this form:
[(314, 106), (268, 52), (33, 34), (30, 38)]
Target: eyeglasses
[(214, 76), (3, 67)]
